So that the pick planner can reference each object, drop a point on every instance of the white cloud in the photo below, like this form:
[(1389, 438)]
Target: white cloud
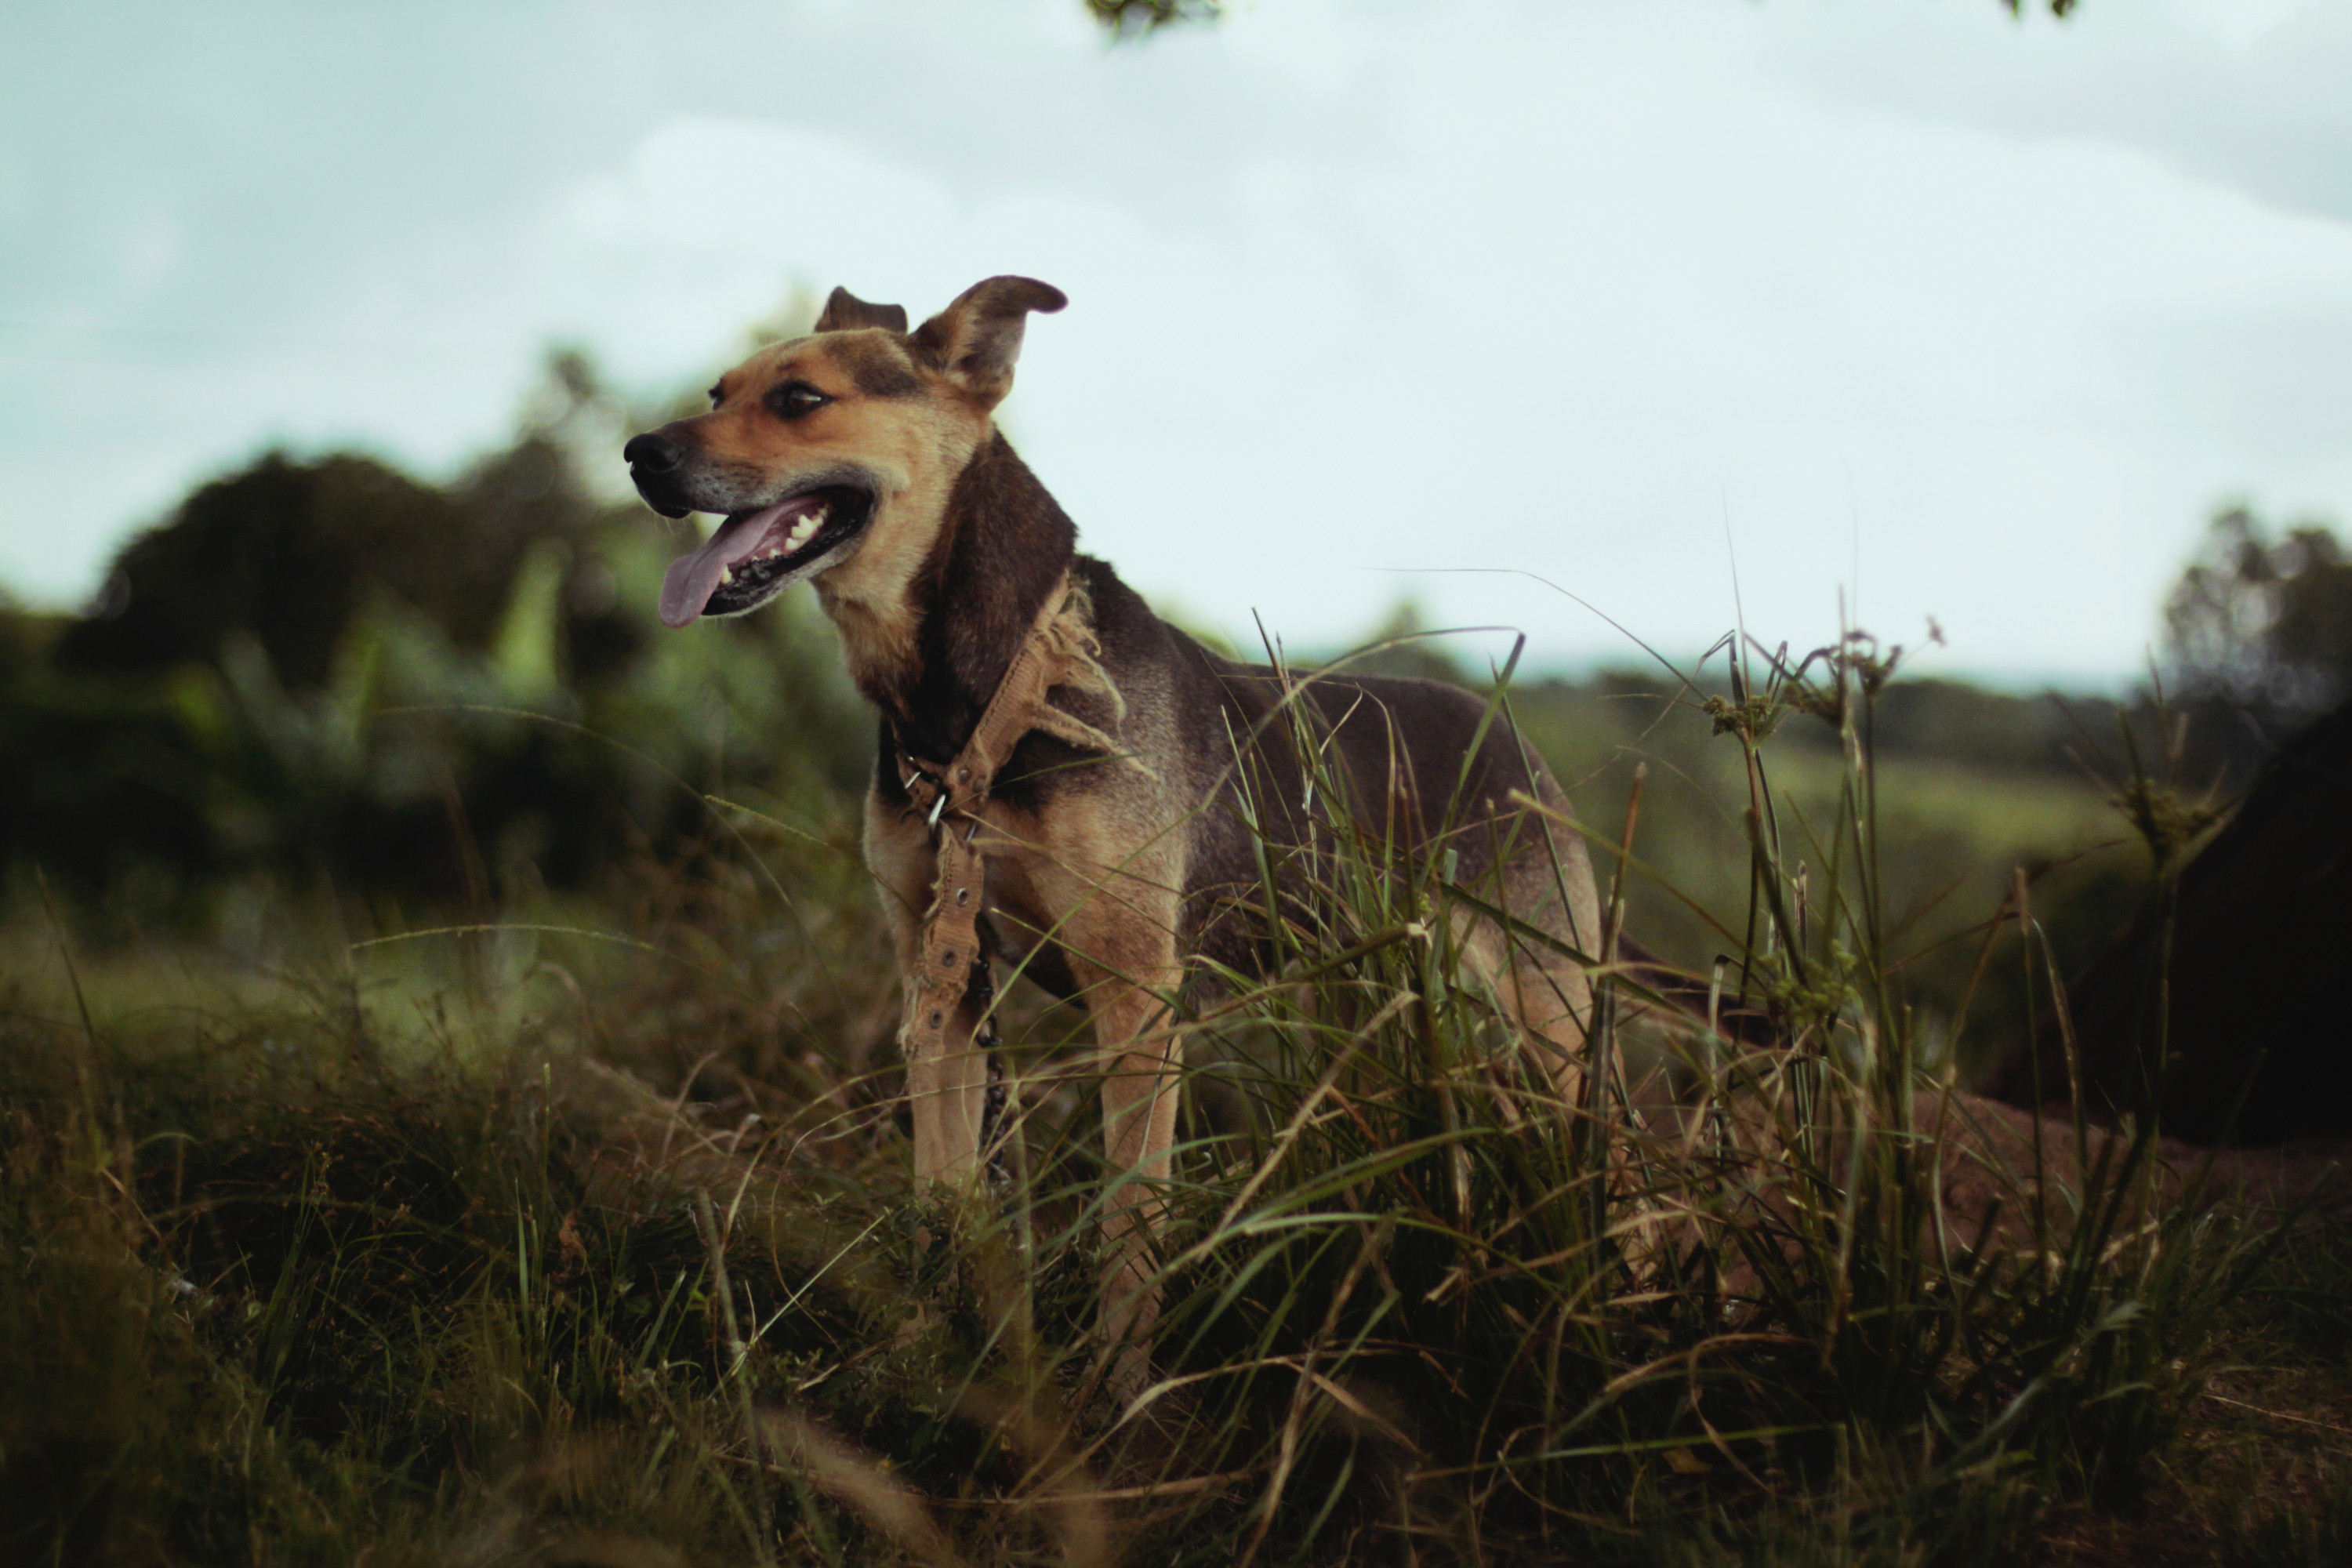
[(2239, 23), (1485, 284)]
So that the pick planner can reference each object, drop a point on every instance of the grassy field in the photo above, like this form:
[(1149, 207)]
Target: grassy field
[(583, 1235)]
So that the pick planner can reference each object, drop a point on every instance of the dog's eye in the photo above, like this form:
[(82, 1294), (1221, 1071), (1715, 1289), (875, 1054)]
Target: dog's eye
[(718, 395), (794, 398)]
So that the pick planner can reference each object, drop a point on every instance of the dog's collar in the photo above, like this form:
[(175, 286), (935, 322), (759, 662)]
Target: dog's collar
[(953, 968), (960, 786)]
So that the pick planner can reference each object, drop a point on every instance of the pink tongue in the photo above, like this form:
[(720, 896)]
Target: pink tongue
[(692, 580)]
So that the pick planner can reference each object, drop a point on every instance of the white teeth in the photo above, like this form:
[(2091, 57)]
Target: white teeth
[(730, 574)]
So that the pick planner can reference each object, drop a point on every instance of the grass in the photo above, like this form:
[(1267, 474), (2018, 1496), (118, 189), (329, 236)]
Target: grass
[(531, 1246)]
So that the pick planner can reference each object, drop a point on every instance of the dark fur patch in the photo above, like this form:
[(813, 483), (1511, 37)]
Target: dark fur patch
[(844, 311), (1003, 543), (975, 340), (876, 367)]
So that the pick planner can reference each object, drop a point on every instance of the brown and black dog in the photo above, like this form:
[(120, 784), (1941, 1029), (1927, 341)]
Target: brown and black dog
[(865, 458)]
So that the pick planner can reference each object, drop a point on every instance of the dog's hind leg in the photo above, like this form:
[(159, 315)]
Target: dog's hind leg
[(1545, 884), (1548, 995), (1124, 959), (1139, 1099)]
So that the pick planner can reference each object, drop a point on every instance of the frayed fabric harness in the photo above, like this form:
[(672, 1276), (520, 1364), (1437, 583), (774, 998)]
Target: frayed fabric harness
[(1060, 650)]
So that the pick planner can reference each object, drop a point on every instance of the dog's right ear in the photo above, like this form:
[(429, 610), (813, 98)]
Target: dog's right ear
[(975, 340), (844, 311)]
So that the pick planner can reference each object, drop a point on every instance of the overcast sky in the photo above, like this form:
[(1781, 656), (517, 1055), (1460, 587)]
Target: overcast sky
[(1973, 318)]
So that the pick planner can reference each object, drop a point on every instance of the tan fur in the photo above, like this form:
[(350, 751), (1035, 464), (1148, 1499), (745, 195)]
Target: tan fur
[(1102, 876), (916, 446)]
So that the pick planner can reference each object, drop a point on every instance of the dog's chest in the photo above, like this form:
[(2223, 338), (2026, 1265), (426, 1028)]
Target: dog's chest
[(1031, 886)]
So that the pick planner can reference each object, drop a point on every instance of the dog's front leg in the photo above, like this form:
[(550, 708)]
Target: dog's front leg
[(947, 1085)]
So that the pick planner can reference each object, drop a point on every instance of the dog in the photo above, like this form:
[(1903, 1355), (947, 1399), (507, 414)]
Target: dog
[(1123, 822)]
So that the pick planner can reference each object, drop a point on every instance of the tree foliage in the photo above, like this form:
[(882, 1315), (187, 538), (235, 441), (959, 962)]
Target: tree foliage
[(2264, 621), (1133, 18)]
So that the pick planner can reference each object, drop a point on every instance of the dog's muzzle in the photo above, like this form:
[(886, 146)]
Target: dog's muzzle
[(654, 462)]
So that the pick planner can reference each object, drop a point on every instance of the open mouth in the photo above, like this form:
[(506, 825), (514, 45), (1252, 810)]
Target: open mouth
[(754, 555)]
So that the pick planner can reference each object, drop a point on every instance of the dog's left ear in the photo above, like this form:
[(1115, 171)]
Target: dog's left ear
[(844, 311), (975, 340)]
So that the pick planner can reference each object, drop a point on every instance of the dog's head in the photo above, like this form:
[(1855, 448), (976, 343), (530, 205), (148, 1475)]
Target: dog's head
[(834, 453)]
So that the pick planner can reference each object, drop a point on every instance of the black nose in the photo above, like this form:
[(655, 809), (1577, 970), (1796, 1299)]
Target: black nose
[(653, 454)]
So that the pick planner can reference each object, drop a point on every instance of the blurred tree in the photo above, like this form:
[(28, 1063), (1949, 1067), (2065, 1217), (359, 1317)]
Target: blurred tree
[(290, 550), (1130, 18), (324, 673), (24, 637), (283, 550), (2225, 981), (2263, 622), (1950, 721)]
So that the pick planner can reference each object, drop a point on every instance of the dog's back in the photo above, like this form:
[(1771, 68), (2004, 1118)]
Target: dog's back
[(1242, 764)]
